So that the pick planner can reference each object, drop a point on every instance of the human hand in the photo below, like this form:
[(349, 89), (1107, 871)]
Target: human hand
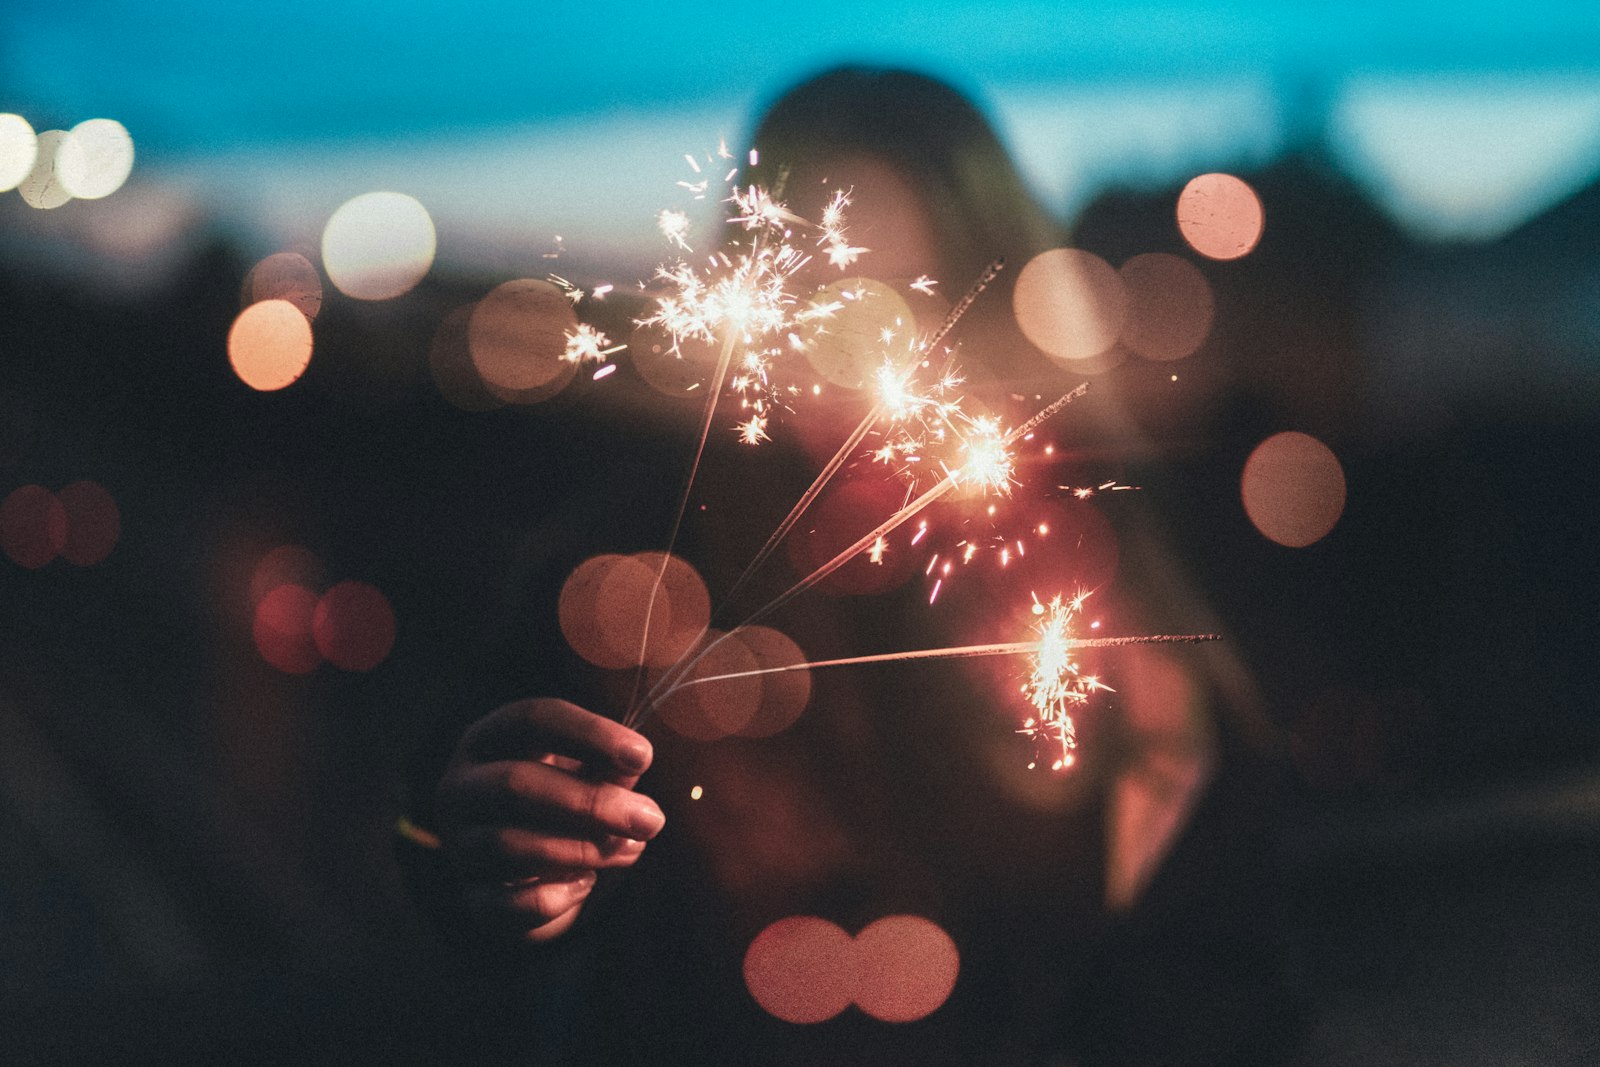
[(537, 798)]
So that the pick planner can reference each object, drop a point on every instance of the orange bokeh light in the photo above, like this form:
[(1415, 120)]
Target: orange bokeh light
[(1220, 216), (517, 336), (783, 696), (713, 710), (907, 967), (450, 363), (1170, 306), (1293, 489), (33, 526), (93, 523), (282, 629), (270, 345), (1070, 304), (285, 565), (847, 347), (671, 368), (284, 276), (604, 604), (353, 626), (802, 969)]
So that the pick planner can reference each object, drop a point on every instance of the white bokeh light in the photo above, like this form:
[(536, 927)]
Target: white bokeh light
[(19, 145), (378, 245), (95, 158), (42, 187)]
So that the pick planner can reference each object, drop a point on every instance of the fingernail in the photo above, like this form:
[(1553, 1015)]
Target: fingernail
[(634, 756), (645, 821), (617, 845)]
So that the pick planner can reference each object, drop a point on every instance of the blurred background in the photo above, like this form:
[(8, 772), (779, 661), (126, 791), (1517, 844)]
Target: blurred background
[(254, 560)]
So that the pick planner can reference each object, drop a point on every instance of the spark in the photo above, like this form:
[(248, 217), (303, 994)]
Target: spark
[(879, 547), (753, 431), (674, 226), (1084, 492), (1056, 686), (744, 295), (587, 343), (924, 284)]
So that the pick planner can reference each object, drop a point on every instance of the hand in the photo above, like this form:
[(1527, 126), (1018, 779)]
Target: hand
[(537, 798)]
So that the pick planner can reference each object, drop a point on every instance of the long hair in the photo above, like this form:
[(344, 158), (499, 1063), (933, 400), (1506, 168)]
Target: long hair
[(931, 135)]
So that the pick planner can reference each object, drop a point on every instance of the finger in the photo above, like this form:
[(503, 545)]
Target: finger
[(524, 906), (501, 852), (544, 798), (529, 728)]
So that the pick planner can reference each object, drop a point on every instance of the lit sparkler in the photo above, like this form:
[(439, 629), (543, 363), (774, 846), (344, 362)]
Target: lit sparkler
[(1056, 686)]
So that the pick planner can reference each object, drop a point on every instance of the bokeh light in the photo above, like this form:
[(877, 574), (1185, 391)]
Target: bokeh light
[(847, 348), (605, 601), (687, 606), (672, 370), (282, 629), (93, 523), (284, 276), (714, 710), (783, 696), (285, 565), (906, 968), (517, 336), (1070, 304), (42, 187), (269, 345), (353, 626), (1170, 306), (19, 147), (378, 245), (450, 363), (1293, 489), (33, 526), (802, 969), (1220, 216), (94, 158)]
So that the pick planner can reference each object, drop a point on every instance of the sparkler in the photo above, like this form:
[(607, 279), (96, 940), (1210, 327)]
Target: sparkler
[(743, 299), (1056, 687)]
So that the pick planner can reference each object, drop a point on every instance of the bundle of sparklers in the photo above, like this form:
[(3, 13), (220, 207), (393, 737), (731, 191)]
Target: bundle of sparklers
[(746, 301)]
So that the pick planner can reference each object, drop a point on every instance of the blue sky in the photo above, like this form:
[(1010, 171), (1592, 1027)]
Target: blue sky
[(1462, 117)]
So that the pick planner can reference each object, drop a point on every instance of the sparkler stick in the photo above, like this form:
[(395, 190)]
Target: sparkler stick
[(641, 711), (723, 359), (858, 435), (1004, 648), (950, 481)]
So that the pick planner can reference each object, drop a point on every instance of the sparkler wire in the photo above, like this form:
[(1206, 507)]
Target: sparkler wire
[(723, 360), (1006, 648), (641, 711), (859, 434)]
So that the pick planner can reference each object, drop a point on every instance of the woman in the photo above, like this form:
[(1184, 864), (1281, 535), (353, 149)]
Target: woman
[(900, 791)]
